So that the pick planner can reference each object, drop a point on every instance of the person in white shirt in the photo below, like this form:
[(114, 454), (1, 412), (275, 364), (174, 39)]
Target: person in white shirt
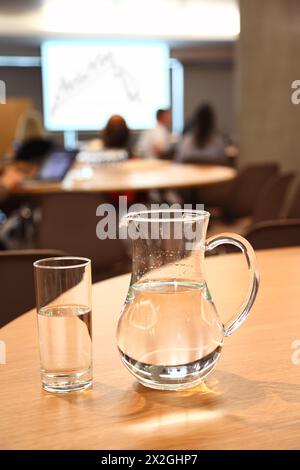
[(155, 143)]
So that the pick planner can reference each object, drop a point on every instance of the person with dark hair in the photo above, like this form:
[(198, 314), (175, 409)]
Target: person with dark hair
[(163, 115), (34, 150), (156, 143), (116, 133), (201, 142)]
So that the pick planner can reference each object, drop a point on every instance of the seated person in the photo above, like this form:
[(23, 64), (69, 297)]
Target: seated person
[(116, 134), (202, 143), (156, 143)]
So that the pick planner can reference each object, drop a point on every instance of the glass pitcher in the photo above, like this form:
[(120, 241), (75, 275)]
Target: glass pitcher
[(169, 333)]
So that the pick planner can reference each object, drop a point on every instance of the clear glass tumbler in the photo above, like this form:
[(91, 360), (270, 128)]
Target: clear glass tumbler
[(63, 299)]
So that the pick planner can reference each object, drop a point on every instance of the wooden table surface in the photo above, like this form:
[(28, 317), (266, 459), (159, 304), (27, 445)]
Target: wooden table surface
[(251, 401), (135, 175)]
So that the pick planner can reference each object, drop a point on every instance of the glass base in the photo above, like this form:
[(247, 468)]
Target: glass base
[(172, 387), (180, 377), (66, 383)]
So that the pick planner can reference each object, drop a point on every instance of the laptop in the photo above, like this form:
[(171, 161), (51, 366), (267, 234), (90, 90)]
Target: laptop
[(56, 165)]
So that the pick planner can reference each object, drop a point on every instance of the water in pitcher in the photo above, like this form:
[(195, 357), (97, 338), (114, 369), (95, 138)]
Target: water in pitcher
[(169, 333), (65, 347)]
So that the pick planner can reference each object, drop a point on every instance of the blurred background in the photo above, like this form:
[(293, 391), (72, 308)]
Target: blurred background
[(97, 98)]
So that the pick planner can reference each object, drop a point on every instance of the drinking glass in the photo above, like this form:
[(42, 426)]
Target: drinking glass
[(64, 312)]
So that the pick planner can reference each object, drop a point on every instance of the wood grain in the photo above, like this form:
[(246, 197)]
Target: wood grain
[(135, 175), (251, 401)]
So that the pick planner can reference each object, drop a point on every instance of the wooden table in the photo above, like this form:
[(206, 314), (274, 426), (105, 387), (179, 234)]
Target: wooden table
[(251, 401), (132, 175)]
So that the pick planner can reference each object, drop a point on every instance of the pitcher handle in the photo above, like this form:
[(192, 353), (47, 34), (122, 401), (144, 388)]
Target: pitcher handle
[(246, 248)]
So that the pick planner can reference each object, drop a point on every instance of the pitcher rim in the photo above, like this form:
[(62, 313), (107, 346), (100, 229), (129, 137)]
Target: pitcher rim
[(141, 216)]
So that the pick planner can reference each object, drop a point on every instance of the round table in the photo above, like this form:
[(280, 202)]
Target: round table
[(251, 401), (132, 175)]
